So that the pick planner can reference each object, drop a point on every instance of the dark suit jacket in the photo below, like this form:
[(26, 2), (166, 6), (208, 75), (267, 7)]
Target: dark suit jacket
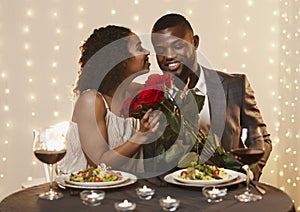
[(233, 107)]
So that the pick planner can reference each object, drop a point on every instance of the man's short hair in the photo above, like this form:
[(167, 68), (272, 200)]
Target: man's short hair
[(171, 20)]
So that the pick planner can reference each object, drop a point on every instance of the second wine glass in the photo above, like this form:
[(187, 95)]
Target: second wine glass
[(251, 153), (49, 147)]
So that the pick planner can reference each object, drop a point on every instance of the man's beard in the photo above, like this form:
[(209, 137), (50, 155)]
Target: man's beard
[(186, 73)]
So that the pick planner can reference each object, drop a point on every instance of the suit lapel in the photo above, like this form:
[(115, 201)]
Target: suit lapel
[(217, 94)]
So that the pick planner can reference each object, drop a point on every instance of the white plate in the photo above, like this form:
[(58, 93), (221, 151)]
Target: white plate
[(89, 184), (127, 179), (236, 178), (233, 175)]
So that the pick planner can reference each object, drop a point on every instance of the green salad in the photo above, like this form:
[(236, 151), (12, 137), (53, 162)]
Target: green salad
[(95, 175), (204, 172)]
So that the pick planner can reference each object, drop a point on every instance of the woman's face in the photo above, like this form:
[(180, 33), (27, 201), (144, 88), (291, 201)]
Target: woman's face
[(139, 60)]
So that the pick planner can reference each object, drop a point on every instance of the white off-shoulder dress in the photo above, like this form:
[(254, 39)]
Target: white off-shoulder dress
[(119, 130)]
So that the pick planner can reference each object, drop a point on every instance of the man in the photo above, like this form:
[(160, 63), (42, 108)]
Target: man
[(230, 105)]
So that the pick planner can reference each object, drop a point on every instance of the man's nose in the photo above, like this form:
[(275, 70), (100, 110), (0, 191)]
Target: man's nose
[(170, 53)]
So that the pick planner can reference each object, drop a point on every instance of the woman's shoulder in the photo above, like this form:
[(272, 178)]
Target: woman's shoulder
[(90, 99)]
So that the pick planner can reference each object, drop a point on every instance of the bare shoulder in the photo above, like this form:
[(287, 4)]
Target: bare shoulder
[(87, 98), (90, 101)]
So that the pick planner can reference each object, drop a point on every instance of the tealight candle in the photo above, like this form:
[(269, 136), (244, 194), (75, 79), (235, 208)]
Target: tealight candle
[(169, 204), (214, 194), (125, 206), (145, 189), (169, 200), (92, 195), (145, 192), (214, 191), (92, 198)]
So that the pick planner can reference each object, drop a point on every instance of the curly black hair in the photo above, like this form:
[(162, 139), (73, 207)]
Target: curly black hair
[(101, 57)]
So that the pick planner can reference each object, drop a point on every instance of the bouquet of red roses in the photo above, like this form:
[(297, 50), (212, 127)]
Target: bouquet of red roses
[(180, 109), (159, 93)]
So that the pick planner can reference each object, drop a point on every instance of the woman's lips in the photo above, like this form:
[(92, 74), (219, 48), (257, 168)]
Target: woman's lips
[(147, 63), (173, 66)]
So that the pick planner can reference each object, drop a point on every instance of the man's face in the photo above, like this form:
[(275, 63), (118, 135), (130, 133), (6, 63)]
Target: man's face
[(175, 50)]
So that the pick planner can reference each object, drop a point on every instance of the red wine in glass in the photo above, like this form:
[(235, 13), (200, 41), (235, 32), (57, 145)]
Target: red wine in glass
[(49, 157), (49, 146), (248, 156)]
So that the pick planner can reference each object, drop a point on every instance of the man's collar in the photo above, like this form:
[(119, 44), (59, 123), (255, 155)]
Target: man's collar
[(201, 85)]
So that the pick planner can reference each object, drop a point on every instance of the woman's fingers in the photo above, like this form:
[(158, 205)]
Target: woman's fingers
[(146, 116), (150, 120), (155, 127), (154, 118), (145, 124)]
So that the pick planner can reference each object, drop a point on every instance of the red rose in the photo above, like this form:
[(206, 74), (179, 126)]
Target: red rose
[(145, 100), (159, 82), (148, 98)]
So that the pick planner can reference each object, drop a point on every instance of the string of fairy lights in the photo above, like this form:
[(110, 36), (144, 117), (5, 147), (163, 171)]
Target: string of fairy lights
[(289, 97), (4, 103), (284, 72)]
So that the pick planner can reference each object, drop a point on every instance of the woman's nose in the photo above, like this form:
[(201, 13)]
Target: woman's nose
[(146, 51)]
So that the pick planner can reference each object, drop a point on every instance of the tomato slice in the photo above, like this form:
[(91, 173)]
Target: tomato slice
[(97, 179), (183, 173), (217, 171)]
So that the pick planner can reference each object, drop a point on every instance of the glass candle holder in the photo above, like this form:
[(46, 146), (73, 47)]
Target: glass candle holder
[(214, 194), (145, 192), (92, 197), (169, 204), (125, 206)]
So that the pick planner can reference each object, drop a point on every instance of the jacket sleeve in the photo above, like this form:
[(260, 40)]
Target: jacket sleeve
[(250, 115)]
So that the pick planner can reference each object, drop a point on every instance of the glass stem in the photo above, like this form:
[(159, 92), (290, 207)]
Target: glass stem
[(51, 176), (247, 169)]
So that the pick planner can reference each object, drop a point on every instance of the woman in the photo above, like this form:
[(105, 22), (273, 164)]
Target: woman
[(110, 58)]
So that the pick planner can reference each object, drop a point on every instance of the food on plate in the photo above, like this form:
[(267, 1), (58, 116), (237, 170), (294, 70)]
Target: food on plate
[(204, 172), (96, 175)]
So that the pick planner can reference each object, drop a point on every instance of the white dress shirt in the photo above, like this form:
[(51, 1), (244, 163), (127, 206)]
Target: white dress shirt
[(204, 117)]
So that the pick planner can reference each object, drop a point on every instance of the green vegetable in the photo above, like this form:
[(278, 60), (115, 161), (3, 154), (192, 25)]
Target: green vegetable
[(90, 174), (204, 172)]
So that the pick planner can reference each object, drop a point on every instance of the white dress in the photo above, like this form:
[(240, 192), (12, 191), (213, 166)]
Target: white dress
[(119, 131)]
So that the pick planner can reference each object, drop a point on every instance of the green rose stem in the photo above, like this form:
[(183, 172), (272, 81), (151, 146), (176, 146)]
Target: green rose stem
[(199, 140)]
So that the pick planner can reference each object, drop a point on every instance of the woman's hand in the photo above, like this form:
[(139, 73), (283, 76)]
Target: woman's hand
[(150, 121), (149, 125)]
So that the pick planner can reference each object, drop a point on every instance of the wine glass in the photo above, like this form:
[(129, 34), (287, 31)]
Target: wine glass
[(49, 147), (251, 153)]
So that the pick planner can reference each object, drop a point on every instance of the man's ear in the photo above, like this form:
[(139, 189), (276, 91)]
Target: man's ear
[(196, 41)]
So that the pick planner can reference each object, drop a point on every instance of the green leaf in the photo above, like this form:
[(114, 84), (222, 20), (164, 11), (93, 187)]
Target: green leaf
[(232, 163), (199, 100), (187, 160), (220, 151), (159, 148), (173, 153), (175, 123)]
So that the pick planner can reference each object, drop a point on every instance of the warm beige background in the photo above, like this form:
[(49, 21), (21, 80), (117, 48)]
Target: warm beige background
[(39, 49)]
